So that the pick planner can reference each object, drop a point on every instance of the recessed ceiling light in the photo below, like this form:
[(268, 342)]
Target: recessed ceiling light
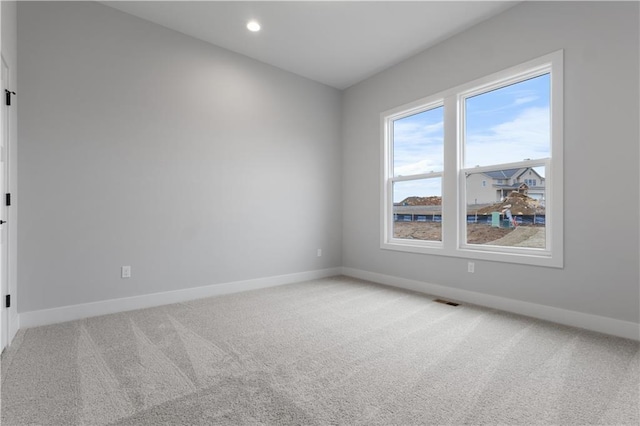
[(253, 26)]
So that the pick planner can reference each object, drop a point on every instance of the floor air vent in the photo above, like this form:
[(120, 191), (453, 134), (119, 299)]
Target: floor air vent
[(446, 302)]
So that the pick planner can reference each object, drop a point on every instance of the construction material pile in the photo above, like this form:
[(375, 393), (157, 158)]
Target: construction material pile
[(519, 204), (421, 201)]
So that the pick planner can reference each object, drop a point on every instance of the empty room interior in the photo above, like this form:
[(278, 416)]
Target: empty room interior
[(358, 213)]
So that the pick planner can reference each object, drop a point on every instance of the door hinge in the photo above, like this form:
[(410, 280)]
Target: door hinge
[(7, 199), (8, 94), (7, 301)]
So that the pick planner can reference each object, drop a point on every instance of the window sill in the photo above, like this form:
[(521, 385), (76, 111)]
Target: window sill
[(531, 257)]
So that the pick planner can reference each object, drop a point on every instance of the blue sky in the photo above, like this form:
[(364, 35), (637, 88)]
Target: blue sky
[(502, 126), (418, 143), (418, 148), (509, 124)]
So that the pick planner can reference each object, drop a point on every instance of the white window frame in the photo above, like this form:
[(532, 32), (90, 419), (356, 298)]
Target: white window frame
[(406, 111), (453, 176)]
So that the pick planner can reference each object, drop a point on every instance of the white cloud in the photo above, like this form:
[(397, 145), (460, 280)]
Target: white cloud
[(526, 136), (418, 148), (520, 97), (414, 131), (418, 167), (524, 100)]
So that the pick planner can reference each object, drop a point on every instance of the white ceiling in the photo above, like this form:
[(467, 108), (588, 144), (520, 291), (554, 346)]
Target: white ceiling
[(338, 43)]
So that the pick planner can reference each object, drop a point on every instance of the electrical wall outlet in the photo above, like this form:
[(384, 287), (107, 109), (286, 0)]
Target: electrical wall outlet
[(319, 252), (126, 272), (471, 267)]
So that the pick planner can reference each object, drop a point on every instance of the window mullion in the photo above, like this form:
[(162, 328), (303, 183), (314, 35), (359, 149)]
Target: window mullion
[(449, 176)]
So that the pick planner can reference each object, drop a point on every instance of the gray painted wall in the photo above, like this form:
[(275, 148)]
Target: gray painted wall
[(141, 146), (601, 135)]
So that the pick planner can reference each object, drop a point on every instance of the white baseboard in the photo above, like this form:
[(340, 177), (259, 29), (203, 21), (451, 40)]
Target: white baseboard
[(86, 310), (626, 329), (14, 324)]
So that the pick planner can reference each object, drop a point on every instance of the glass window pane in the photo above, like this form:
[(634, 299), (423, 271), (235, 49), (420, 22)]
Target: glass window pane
[(418, 143), (509, 213), (509, 124), (417, 209)]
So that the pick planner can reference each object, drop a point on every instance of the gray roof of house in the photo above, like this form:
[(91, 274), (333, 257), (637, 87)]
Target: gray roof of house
[(502, 174)]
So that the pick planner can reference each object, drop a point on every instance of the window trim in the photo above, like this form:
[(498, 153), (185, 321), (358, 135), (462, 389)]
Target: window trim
[(453, 180), (414, 108)]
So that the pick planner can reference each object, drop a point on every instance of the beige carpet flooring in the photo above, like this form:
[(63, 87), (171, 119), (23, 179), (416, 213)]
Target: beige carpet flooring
[(331, 351)]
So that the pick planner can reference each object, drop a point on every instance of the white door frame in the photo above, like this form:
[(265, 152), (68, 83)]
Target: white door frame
[(4, 212), (4, 312)]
